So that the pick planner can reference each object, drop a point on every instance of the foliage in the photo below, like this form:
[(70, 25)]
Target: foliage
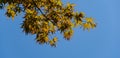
[(45, 17)]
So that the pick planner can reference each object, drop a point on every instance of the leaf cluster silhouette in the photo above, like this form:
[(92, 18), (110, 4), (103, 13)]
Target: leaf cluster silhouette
[(45, 17)]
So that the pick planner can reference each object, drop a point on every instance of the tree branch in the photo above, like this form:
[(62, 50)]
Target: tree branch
[(40, 10)]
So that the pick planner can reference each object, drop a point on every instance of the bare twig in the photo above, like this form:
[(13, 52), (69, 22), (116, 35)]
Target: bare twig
[(40, 10)]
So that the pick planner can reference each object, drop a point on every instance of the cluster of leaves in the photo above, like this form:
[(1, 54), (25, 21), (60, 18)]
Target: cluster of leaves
[(45, 17)]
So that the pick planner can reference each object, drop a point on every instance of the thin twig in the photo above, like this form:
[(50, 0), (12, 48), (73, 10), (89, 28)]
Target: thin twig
[(40, 10)]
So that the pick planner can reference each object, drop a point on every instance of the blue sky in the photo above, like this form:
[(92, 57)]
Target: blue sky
[(101, 42)]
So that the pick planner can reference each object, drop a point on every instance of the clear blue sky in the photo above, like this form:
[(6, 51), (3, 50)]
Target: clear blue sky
[(102, 42)]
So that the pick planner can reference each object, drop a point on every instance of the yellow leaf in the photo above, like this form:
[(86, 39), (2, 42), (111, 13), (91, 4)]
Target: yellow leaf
[(67, 35), (59, 3), (90, 20), (46, 39), (29, 11), (52, 0), (86, 26), (55, 39), (52, 43), (93, 25), (44, 29), (82, 14), (12, 14)]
